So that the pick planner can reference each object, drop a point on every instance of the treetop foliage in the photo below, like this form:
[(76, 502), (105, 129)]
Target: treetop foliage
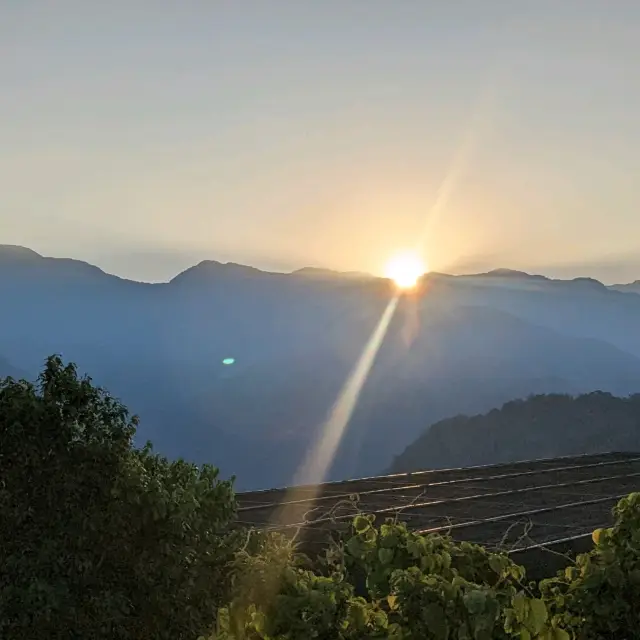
[(98, 538)]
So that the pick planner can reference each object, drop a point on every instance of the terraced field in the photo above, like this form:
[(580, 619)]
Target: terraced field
[(551, 504)]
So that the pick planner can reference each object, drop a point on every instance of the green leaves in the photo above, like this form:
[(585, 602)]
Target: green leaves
[(99, 539), (436, 621), (537, 616), (385, 556), (102, 540), (555, 633), (597, 598), (386, 582), (362, 524), (475, 601)]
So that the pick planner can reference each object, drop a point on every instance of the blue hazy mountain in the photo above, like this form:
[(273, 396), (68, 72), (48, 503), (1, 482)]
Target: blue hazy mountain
[(463, 344), (8, 370), (632, 287)]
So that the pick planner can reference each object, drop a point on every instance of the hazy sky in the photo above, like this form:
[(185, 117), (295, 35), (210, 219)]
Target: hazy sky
[(144, 136)]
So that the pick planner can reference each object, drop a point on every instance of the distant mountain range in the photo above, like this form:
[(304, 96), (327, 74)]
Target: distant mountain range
[(459, 344), (632, 287)]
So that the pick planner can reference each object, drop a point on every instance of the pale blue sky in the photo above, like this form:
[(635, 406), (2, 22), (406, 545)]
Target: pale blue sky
[(144, 136)]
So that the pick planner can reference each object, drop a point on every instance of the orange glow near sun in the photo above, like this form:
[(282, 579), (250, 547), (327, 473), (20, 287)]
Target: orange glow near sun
[(405, 269)]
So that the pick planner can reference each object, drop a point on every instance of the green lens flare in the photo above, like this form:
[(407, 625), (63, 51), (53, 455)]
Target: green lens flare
[(228, 361)]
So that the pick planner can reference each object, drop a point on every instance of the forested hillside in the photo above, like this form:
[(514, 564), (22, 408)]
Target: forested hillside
[(537, 427)]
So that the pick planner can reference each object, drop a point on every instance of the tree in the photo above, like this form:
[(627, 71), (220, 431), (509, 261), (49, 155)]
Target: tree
[(99, 539)]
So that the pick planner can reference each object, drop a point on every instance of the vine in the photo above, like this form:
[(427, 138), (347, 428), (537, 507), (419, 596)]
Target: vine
[(599, 596), (384, 582)]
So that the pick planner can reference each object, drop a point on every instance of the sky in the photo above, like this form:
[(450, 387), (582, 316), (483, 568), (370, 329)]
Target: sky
[(146, 136)]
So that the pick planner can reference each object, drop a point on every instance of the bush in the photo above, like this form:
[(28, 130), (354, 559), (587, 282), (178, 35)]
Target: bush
[(383, 582), (599, 597), (99, 539), (387, 582)]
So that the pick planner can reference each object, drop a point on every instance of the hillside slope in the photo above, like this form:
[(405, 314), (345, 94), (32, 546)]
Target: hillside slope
[(541, 426), (8, 370), (632, 287)]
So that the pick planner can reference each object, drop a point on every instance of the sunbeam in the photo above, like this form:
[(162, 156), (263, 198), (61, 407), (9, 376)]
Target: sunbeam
[(314, 467), (464, 150)]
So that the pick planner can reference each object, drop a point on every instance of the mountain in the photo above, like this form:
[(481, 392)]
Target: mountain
[(330, 274), (33, 266), (8, 370), (581, 307), (632, 287), (541, 426), (460, 344)]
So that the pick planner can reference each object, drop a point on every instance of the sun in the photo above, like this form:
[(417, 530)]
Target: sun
[(405, 269)]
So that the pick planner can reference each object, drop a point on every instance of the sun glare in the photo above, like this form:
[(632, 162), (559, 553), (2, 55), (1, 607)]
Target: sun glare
[(405, 269)]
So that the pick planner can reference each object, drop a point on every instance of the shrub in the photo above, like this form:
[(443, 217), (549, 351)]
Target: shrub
[(599, 597), (384, 582)]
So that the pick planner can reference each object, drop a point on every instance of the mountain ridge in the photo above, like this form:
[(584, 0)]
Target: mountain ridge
[(458, 344), (24, 254)]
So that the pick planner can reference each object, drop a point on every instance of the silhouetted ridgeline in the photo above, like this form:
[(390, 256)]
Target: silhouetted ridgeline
[(541, 426)]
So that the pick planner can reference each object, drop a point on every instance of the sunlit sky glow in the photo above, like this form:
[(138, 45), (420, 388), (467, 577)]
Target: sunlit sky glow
[(405, 268), (145, 137)]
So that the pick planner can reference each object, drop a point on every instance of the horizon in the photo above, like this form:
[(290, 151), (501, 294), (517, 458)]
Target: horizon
[(494, 271), (487, 136)]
